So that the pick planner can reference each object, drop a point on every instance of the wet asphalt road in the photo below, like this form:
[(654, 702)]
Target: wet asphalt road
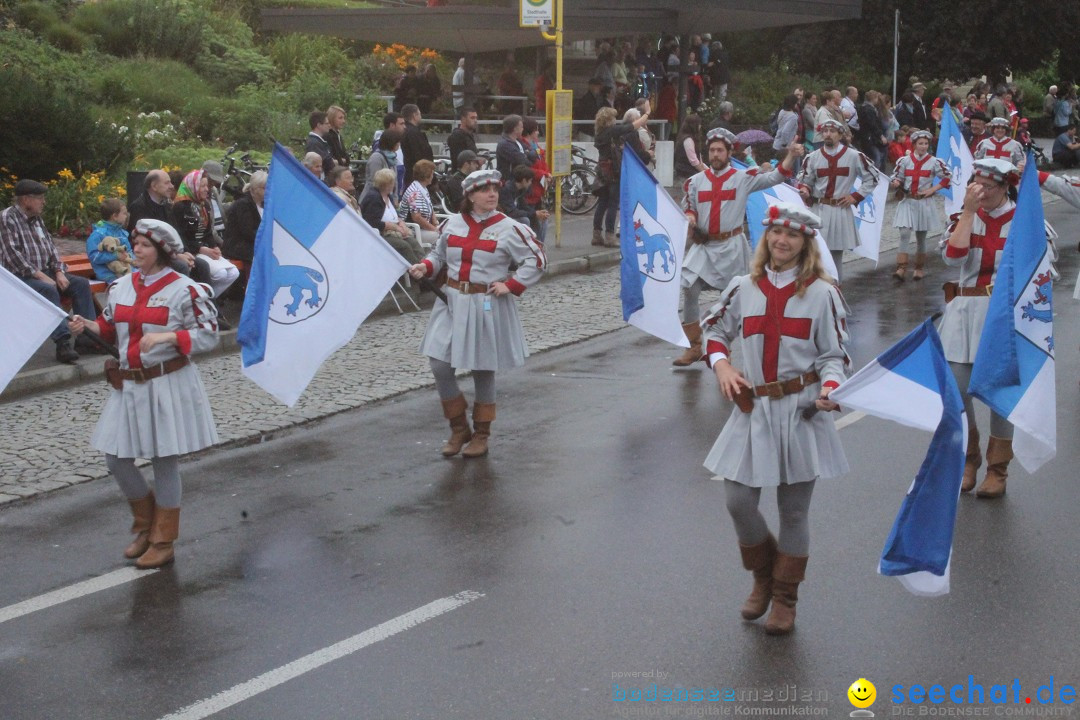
[(599, 542)]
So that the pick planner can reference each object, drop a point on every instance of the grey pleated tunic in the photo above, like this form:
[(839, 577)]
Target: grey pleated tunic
[(478, 331), (169, 415), (774, 444), (717, 202), (832, 176), (919, 214)]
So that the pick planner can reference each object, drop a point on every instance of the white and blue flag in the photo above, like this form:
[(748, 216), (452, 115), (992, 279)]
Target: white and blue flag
[(1013, 371), (654, 231), (953, 150), (870, 217), (911, 383), (318, 272), (758, 204)]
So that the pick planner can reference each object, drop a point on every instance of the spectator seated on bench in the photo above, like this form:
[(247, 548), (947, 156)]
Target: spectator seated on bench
[(27, 251), (108, 246)]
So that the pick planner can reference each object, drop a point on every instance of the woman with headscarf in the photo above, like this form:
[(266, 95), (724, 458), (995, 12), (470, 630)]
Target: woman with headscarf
[(190, 215)]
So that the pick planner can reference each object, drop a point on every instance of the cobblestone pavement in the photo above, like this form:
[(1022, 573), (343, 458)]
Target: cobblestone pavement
[(44, 439)]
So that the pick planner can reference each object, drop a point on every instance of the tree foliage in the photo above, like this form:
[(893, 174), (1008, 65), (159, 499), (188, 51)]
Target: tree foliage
[(937, 40)]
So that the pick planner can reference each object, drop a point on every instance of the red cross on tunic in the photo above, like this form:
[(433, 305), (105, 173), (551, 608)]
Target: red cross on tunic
[(991, 243), (472, 242), (139, 314), (997, 149), (773, 325), (833, 171), (917, 172), (716, 197)]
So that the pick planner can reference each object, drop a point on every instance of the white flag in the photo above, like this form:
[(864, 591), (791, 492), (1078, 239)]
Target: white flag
[(870, 216), (28, 319)]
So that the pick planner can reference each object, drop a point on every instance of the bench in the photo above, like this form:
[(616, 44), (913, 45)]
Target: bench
[(80, 265)]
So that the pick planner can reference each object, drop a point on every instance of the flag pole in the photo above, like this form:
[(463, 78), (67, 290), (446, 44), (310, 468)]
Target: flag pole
[(895, 52)]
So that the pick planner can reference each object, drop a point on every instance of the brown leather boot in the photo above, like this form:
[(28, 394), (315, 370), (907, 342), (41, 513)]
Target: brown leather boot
[(998, 454), (972, 461), (901, 266), (482, 415), (598, 237), (788, 572), (454, 410), (142, 512), (611, 240), (165, 530), (759, 560), (920, 261), (693, 353)]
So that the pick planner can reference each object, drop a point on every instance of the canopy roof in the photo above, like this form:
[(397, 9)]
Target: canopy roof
[(465, 28)]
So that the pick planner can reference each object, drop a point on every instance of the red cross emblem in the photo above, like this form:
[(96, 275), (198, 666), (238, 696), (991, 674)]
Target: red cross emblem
[(716, 197), (917, 172), (997, 149), (472, 243), (773, 325), (833, 171), (991, 242), (139, 314)]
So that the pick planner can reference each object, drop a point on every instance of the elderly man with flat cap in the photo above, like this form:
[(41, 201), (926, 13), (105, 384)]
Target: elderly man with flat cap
[(715, 203), (27, 251)]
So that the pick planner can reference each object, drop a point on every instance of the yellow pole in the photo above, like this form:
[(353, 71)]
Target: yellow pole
[(558, 86), (558, 38)]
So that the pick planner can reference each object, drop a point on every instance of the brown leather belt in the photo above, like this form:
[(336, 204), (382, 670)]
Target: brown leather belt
[(725, 235), (831, 202), (468, 288), (953, 290), (775, 390), (115, 375)]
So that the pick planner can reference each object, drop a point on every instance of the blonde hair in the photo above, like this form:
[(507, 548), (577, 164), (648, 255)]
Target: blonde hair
[(384, 179), (605, 118), (810, 267), (333, 111)]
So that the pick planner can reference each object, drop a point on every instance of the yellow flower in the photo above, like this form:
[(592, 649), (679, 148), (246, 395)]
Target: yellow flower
[(66, 174), (101, 198), (81, 206)]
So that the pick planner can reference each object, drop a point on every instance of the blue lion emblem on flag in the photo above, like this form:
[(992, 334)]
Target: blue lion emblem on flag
[(652, 244), (297, 282)]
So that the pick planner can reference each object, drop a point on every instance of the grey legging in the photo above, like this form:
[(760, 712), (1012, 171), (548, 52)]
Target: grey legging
[(999, 426), (167, 488), (793, 502), (447, 385), (905, 240), (838, 261), (691, 310)]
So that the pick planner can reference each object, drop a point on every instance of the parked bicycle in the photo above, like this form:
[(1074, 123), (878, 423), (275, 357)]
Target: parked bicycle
[(237, 172)]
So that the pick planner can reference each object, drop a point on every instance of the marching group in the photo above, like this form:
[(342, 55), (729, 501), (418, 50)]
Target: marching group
[(778, 299)]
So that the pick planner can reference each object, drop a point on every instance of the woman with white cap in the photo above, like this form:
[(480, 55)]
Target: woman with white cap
[(791, 319), (158, 407), (915, 174), (477, 328)]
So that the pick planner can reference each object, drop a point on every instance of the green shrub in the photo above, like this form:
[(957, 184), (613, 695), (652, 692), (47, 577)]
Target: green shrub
[(229, 57), (43, 19), (158, 28), (74, 138), (192, 155), (148, 84), (295, 53), (41, 61)]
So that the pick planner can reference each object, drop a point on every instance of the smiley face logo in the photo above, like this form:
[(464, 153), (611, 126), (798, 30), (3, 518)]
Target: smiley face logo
[(862, 693)]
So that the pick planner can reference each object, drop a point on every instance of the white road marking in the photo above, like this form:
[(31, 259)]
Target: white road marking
[(849, 419), (298, 667), (73, 592)]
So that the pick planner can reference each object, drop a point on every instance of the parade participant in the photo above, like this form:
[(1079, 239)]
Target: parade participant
[(914, 176), (828, 178), (999, 144), (791, 320), (158, 407), (715, 203), (478, 328), (977, 133), (975, 241)]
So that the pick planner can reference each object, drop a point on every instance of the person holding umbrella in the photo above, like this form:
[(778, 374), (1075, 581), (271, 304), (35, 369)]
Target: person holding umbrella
[(158, 407)]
